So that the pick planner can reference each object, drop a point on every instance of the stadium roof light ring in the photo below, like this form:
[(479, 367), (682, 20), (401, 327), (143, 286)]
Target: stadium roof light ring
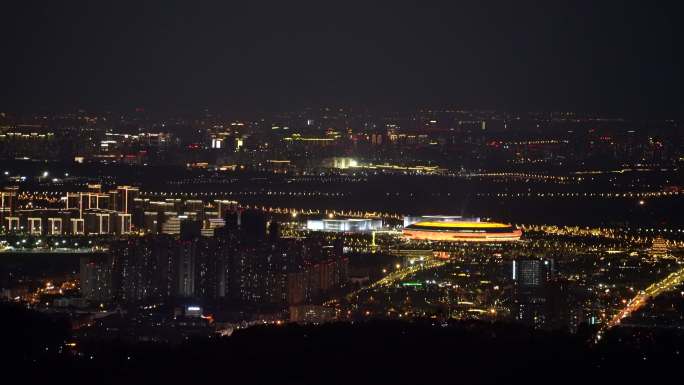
[(462, 231)]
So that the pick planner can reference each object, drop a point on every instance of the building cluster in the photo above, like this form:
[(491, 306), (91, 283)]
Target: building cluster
[(91, 212), (342, 139), (119, 211), (245, 262)]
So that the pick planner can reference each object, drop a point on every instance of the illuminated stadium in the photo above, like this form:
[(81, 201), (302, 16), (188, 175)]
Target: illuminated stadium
[(462, 231)]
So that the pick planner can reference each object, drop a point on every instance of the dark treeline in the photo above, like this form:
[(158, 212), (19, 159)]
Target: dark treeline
[(377, 352)]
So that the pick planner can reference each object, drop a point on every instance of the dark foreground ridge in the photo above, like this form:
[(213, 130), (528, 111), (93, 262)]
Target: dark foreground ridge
[(378, 352)]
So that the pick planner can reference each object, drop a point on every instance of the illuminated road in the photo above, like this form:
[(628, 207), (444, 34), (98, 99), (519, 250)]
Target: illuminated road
[(82, 250), (398, 275), (636, 303)]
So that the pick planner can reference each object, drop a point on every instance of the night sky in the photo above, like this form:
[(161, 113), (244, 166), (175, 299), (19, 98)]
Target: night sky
[(608, 56)]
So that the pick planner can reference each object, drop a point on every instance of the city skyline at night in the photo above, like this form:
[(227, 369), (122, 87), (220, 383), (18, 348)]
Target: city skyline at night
[(326, 192)]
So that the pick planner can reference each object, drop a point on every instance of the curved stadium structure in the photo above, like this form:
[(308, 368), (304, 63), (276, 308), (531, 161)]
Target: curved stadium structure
[(462, 231)]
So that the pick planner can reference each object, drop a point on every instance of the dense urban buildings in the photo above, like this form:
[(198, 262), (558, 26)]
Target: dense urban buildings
[(295, 193), (312, 217)]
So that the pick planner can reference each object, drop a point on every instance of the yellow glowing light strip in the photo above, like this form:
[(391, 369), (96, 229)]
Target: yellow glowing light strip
[(479, 225)]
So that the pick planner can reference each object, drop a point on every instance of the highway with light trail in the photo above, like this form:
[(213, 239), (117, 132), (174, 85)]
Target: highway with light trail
[(667, 284)]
